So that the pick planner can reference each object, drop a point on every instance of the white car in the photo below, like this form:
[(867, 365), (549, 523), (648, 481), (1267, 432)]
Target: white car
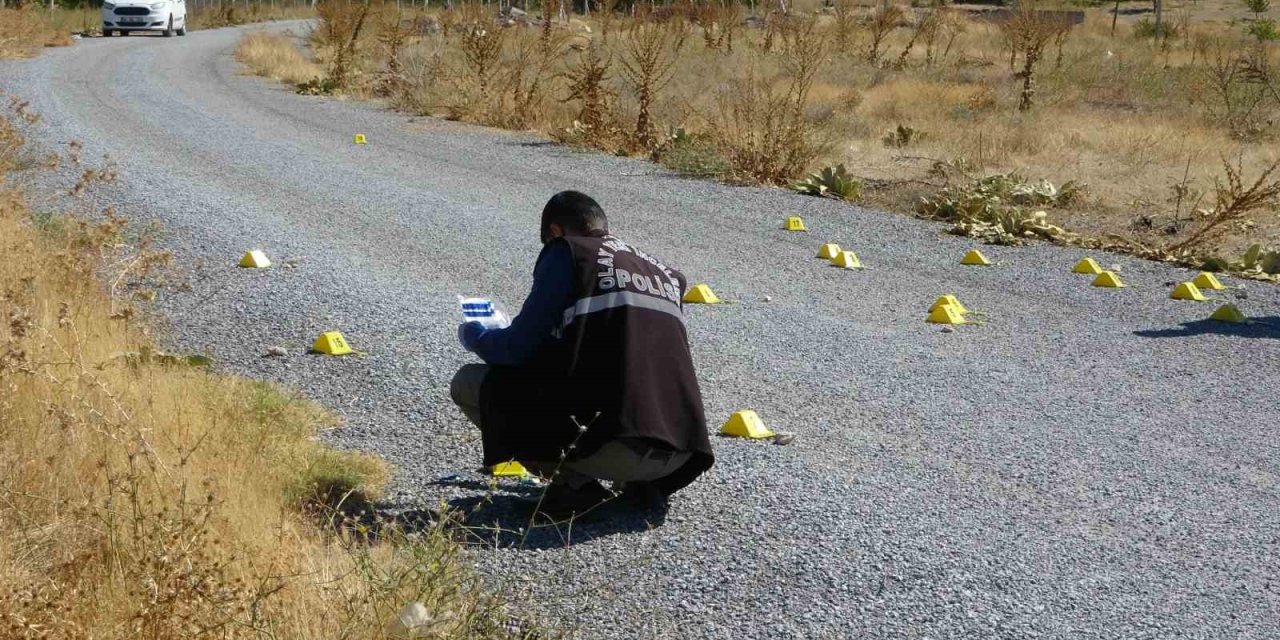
[(123, 16)]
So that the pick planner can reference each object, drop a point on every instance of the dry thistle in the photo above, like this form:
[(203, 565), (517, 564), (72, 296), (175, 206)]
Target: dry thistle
[(1233, 201), (651, 52)]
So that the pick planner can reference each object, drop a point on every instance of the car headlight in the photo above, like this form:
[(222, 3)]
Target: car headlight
[(108, 6), (158, 6)]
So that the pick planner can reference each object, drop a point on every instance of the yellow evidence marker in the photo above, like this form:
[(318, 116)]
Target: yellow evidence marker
[(975, 258), (946, 314), (1088, 266), (948, 300), (746, 424), (511, 469), (360, 139), (701, 294), (829, 251), (847, 260), (1228, 313), (331, 343), (255, 259), (1187, 291), (795, 223), (1208, 281), (1108, 280)]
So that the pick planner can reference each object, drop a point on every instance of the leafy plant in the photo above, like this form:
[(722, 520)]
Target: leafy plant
[(903, 136), (831, 182), (692, 155), (1264, 30), (992, 208), (1257, 258), (1146, 30), (1255, 261), (317, 87)]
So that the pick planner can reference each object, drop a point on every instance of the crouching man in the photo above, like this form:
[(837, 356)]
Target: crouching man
[(595, 371)]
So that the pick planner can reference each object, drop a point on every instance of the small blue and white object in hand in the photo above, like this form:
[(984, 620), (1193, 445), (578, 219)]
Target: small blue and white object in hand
[(483, 310)]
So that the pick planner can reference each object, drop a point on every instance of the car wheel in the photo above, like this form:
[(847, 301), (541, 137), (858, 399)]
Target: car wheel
[(168, 31), (182, 31)]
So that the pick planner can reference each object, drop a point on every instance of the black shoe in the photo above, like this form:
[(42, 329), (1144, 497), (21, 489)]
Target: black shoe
[(562, 502), (644, 496)]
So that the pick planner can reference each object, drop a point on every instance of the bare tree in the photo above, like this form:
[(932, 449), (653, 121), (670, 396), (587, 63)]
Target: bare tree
[(883, 21), (1029, 31), (650, 53)]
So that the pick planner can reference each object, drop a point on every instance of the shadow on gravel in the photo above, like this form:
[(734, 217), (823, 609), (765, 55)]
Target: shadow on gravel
[(1265, 327), (503, 521)]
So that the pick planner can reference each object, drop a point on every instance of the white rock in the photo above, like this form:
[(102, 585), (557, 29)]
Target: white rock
[(413, 621), (277, 351)]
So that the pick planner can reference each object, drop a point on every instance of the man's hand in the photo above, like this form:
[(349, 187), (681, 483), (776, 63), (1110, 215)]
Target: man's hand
[(469, 334)]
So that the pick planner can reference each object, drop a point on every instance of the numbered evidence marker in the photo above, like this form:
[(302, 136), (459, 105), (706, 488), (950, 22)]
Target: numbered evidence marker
[(255, 259), (1228, 313), (1187, 291), (1208, 281), (951, 300), (946, 314), (847, 260), (1087, 266), (331, 343), (360, 139), (701, 294), (795, 223), (510, 469), (1108, 280), (746, 424), (828, 251), (947, 310), (975, 258)]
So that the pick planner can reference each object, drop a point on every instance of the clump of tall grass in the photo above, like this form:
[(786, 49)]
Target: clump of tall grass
[(24, 31), (274, 55)]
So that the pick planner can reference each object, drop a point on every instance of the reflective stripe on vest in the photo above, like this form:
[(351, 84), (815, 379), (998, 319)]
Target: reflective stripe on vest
[(620, 299)]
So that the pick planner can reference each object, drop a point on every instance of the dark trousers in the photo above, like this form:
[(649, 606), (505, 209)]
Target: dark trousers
[(622, 460)]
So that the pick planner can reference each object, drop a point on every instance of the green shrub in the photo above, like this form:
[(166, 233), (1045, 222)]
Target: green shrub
[(832, 182), (1146, 29), (693, 155), (1264, 30)]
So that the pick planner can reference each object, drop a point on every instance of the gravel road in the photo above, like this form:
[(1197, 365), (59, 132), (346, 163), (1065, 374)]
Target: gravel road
[(1089, 463)]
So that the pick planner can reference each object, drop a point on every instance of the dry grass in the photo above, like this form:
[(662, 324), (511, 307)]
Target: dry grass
[(146, 497), (1144, 124), (23, 32), (275, 56)]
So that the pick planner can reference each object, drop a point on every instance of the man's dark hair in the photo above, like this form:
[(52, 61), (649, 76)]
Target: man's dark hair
[(576, 212)]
